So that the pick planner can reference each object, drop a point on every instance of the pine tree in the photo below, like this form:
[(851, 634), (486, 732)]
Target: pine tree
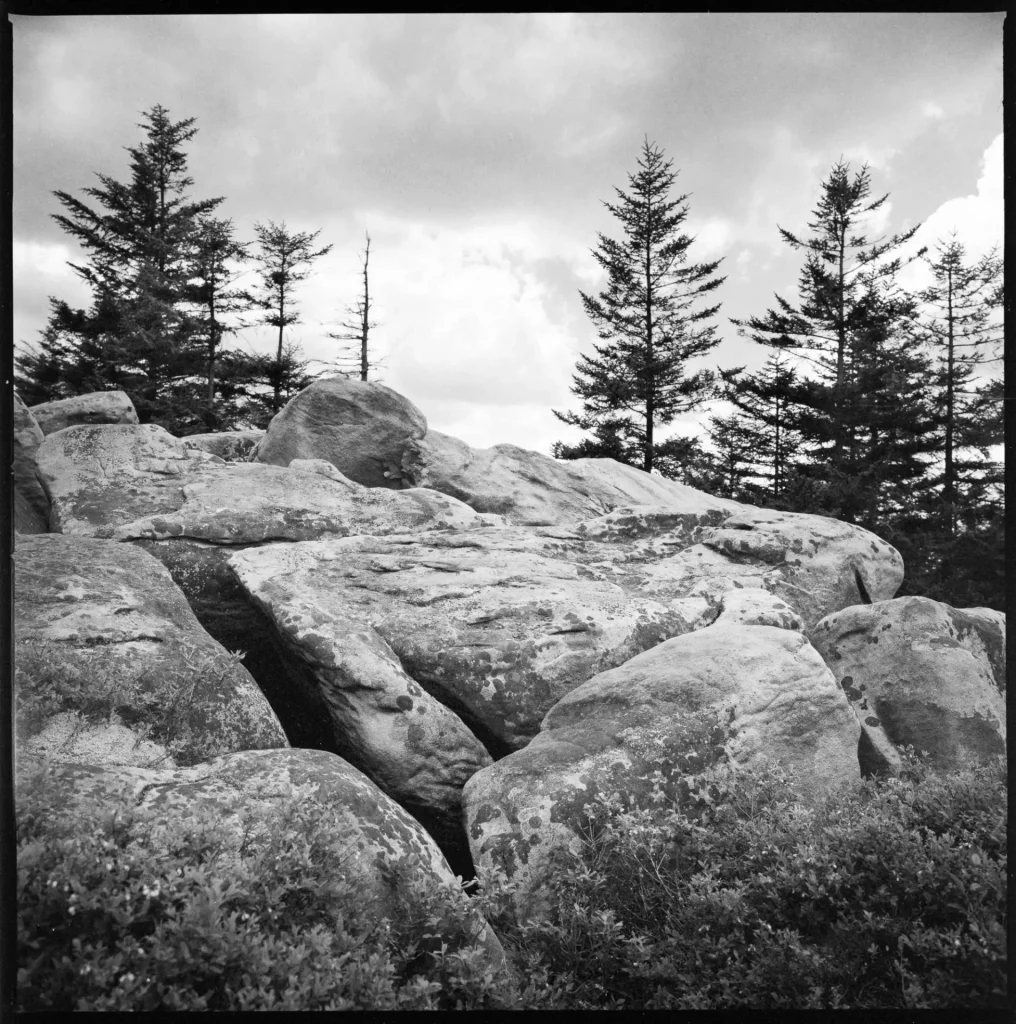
[(649, 325), (829, 319), (284, 259), (736, 440), (212, 290), (356, 328), (767, 400), (138, 243)]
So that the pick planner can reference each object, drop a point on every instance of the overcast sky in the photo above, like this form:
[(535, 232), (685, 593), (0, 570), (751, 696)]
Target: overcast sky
[(477, 151)]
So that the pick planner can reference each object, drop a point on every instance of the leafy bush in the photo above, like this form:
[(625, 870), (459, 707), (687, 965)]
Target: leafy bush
[(731, 895), (891, 896)]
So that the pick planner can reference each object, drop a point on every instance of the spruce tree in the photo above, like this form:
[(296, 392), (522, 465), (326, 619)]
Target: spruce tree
[(767, 402), (138, 242), (650, 326), (826, 323), (284, 260)]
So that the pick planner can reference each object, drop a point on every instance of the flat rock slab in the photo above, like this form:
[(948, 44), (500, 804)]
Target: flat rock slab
[(106, 642), (920, 673), (412, 746), (528, 488), (246, 792), (499, 633), (93, 408), (358, 426), (743, 693)]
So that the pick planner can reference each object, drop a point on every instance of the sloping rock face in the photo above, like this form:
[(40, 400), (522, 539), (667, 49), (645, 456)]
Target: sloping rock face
[(497, 630), (922, 673), (28, 436), (97, 407), (383, 721), (341, 809), (533, 490), (357, 426), (815, 564), (112, 665), (744, 693), (228, 445)]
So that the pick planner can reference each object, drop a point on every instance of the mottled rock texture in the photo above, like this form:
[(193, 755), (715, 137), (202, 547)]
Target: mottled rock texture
[(96, 407), (498, 632), (357, 426), (412, 746), (920, 673), (743, 693), (112, 665)]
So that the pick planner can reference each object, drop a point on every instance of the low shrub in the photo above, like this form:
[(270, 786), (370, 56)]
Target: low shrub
[(893, 896)]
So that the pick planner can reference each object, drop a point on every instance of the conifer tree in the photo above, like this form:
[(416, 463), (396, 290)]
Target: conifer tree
[(649, 325), (284, 260), (138, 242), (767, 401), (833, 294), (215, 268)]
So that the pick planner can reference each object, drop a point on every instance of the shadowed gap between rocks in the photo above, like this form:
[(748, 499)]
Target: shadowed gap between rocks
[(223, 609)]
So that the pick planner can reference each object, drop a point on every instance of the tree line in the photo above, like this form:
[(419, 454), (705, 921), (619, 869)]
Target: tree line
[(165, 276), (876, 405)]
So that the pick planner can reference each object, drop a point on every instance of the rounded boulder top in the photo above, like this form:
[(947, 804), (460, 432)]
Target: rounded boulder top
[(357, 426)]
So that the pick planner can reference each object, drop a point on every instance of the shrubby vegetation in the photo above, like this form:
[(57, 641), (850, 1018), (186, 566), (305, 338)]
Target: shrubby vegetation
[(891, 896)]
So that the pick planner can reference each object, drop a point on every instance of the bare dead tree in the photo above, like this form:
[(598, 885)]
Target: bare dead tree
[(355, 329)]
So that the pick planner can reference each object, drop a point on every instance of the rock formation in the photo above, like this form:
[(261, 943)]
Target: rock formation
[(923, 674), (488, 636), (94, 408)]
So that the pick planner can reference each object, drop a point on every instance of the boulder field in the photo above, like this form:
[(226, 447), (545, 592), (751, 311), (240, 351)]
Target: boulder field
[(484, 639)]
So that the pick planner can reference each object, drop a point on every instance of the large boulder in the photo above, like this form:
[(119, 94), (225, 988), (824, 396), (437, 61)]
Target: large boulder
[(191, 510), (740, 693), (412, 746), (28, 436), (112, 666), (94, 408), (494, 629), (248, 794), (228, 445), (98, 477), (920, 673), (815, 564), (528, 488), (357, 426)]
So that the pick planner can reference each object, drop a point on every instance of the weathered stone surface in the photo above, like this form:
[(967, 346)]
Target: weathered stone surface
[(28, 436), (922, 673), (111, 660), (228, 445), (247, 792), (528, 488), (416, 749), (97, 407), (750, 692), (496, 630), (815, 564), (98, 477), (357, 426), (753, 606)]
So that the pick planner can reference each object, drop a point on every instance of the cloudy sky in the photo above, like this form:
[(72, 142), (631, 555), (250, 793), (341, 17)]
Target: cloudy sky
[(477, 151)]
